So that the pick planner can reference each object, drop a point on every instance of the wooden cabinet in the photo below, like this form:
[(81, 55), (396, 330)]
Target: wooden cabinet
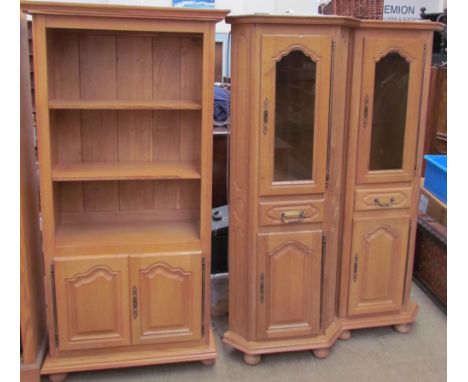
[(391, 75), (289, 265), (379, 249), (285, 180), (326, 145), (124, 115)]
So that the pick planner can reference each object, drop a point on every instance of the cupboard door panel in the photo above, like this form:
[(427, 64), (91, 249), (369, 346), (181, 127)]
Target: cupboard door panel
[(379, 251), (388, 131), (289, 284), (166, 297), (92, 302), (293, 124)]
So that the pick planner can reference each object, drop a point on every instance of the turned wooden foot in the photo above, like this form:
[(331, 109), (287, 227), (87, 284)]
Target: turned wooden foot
[(208, 362), (402, 328), (252, 359), (321, 353), (57, 377), (345, 335)]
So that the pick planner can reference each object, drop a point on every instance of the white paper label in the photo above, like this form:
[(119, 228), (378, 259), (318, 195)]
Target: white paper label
[(410, 10)]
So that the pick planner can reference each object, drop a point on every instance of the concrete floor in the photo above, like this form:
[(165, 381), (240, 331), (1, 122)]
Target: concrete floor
[(374, 355)]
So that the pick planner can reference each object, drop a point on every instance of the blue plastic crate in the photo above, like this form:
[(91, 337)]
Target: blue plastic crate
[(435, 179)]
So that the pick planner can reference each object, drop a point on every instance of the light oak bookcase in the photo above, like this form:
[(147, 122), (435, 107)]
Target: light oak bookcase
[(124, 99)]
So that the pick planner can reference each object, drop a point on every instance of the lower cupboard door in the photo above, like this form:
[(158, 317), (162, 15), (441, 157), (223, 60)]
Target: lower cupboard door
[(92, 302), (289, 281), (166, 293), (378, 267)]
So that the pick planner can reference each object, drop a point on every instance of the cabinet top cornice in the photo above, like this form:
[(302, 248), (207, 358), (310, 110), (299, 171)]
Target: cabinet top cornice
[(332, 20), (126, 11)]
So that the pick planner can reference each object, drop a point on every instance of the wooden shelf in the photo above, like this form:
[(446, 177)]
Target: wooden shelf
[(125, 171), (115, 104), (129, 236)]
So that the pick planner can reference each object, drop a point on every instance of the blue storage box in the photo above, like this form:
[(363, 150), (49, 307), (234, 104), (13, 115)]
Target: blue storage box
[(435, 179)]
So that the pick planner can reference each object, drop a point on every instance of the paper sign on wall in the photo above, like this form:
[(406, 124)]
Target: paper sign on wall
[(193, 3), (409, 10)]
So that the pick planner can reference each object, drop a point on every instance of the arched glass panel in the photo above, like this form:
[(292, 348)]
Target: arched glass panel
[(294, 117), (389, 113)]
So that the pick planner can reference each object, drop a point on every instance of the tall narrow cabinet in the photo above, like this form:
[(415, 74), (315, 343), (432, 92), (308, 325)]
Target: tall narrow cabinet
[(391, 72), (327, 116), (124, 101), (287, 152)]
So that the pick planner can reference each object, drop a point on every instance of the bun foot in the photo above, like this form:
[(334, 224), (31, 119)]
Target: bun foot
[(57, 377), (321, 353), (208, 362), (345, 335), (252, 359), (402, 328)]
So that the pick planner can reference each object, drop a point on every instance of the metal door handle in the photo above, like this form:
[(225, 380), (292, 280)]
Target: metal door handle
[(265, 116)]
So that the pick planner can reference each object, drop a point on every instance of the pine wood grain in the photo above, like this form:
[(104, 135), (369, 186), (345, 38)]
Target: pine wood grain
[(122, 104), (125, 170), (126, 236)]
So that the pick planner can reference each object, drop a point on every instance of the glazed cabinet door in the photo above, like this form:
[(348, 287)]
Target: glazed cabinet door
[(378, 266), (92, 302), (392, 74), (295, 88), (289, 282), (166, 297)]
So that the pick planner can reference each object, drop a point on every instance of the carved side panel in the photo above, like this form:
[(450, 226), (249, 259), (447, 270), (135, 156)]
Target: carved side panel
[(379, 262), (239, 176), (92, 302)]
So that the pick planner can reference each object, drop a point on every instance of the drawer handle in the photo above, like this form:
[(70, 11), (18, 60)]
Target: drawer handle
[(294, 216), (380, 204)]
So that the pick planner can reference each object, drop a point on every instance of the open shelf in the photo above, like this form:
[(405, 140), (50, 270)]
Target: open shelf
[(125, 171), (122, 237), (114, 104)]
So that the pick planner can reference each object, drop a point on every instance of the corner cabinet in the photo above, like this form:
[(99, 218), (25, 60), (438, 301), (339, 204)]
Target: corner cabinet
[(325, 151), (124, 101)]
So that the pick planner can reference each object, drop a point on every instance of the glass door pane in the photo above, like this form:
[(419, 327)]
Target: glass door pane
[(392, 75), (389, 113), (294, 117), (295, 88)]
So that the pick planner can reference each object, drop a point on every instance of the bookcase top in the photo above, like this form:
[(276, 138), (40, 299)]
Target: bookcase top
[(126, 11)]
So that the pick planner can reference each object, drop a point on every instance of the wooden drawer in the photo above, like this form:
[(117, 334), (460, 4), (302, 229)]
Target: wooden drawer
[(288, 212), (376, 199)]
